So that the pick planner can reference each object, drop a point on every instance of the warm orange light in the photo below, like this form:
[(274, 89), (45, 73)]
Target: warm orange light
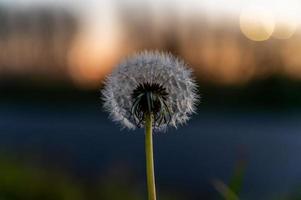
[(291, 57), (257, 24), (91, 59), (284, 28)]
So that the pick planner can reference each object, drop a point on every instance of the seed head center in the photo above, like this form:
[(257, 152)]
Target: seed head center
[(150, 98)]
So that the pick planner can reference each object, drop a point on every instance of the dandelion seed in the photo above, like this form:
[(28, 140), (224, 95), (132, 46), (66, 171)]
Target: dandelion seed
[(151, 90), (150, 82)]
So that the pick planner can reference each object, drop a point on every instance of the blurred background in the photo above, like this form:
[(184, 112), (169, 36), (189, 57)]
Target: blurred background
[(57, 143)]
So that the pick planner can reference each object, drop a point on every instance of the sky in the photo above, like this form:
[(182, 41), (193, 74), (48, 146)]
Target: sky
[(234, 6), (104, 12)]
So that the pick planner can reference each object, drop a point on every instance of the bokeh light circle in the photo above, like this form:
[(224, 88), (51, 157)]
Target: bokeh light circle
[(257, 24), (284, 28)]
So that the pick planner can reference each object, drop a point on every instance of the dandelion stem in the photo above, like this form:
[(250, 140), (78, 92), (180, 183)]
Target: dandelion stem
[(149, 157)]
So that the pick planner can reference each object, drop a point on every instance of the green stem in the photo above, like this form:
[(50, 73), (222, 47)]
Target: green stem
[(149, 157)]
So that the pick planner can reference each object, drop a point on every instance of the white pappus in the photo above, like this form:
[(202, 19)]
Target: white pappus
[(153, 82)]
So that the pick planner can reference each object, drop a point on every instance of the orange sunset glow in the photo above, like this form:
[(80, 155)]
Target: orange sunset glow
[(91, 58), (232, 47)]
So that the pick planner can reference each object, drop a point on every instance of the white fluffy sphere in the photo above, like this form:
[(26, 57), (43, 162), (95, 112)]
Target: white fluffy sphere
[(150, 68)]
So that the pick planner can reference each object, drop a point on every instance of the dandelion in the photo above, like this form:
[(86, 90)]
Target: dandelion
[(151, 90)]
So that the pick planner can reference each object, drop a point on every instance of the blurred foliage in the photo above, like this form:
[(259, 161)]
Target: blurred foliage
[(275, 92), (20, 182), (236, 181), (233, 189)]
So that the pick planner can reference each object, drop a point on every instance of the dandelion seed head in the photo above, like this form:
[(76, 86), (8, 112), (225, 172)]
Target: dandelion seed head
[(150, 82)]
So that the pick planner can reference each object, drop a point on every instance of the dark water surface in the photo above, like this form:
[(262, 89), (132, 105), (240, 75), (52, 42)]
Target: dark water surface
[(79, 138)]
